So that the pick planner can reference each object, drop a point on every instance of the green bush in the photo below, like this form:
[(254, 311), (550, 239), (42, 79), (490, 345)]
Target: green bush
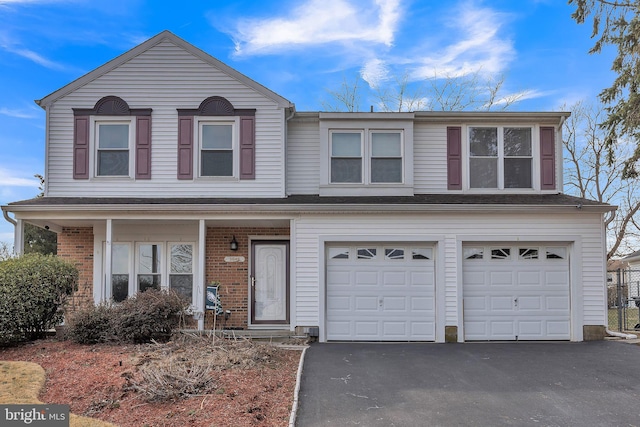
[(149, 315), (92, 325), (33, 291)]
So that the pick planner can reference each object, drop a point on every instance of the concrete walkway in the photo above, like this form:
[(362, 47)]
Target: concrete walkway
[(473, 384)]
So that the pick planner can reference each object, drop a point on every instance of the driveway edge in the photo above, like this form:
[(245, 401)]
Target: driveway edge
[(296, 392)]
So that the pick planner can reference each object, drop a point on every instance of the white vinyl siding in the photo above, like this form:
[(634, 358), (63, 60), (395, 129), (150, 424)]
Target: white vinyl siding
[(303, 157), (430, 158), (165, 78), (452, 230)]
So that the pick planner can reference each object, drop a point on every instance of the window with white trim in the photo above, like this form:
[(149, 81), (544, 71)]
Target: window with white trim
[(346, 157), (217, 148), (374, 157), (147, 267), (181, 269), (113, 142), (500, 157)]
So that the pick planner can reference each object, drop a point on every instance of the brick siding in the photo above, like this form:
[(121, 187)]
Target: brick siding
[(233, 276), (75, 244)]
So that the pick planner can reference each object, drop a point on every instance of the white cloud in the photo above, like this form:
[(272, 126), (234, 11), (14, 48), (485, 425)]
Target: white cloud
[(477, 46), (19, 113), (10, 178), (374, 72), (317, 22)]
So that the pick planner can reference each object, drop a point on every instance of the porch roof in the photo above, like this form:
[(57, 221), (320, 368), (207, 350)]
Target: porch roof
[(317, 203)]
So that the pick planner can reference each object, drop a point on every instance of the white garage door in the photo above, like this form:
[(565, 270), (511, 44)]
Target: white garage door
[(380, 292), (516, 292)]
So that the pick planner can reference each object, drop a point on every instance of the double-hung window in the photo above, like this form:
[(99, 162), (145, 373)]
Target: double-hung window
[(500, 157), (113, 141), (360, 157), (346, 157), (386, 157), (216, 149)]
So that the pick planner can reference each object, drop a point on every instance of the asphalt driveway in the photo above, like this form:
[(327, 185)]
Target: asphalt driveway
[(473, 384)]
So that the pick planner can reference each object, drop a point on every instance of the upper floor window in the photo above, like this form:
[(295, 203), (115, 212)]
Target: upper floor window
[(366, 157), (500, 157), (217, 148), (113, 142), (216, 140), (346, 157)]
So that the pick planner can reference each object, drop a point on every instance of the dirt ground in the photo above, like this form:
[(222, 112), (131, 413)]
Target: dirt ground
[(249, 384)]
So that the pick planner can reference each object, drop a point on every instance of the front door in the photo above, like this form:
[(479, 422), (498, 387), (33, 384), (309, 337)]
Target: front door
[(270, 282)]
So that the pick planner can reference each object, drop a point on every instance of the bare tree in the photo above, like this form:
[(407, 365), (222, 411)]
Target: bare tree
[(347, 98), (595, 172), (439, 93)]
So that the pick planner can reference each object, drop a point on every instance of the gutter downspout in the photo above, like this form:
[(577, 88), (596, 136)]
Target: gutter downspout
[(8, 218)]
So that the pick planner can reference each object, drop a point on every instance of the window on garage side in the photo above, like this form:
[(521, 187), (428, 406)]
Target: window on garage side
[(346, 157), (386, 157), (181, 270)]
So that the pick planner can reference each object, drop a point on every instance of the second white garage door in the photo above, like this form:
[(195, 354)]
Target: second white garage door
[(516, 292), (380, 292)]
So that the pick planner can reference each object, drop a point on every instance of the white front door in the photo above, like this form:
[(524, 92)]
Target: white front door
[(270, 282), (380, 292), (516, 292)]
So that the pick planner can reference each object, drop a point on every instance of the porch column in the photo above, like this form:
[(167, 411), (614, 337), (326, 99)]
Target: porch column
[(107, 260), (199, 291), (18, 237)]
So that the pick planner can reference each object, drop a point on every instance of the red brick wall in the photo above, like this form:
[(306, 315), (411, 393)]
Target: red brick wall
[(75, 244), (233, 276)]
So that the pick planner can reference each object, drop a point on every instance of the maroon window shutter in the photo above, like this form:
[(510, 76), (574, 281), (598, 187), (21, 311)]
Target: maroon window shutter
[(143, 147), (81, 147), (547, 158), (454, 158), (185, 147), (247, 147)]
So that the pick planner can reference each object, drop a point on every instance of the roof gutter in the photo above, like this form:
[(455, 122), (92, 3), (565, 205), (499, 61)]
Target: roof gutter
[(5, 213), (308, 208)]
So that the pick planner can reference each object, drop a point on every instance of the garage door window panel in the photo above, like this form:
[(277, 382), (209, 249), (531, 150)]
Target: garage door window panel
[(556, 253), (339, 253), (528, 253), (394, 254), (420, 254), (473, 253), (500, 253), (367, 253)]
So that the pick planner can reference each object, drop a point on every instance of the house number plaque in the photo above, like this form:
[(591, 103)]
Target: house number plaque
[(234, 259)]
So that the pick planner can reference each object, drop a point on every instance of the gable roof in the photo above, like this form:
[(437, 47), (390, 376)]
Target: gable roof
[(141, 48)]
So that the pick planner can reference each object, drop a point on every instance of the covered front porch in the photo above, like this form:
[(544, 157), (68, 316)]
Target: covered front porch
[(245, 256)]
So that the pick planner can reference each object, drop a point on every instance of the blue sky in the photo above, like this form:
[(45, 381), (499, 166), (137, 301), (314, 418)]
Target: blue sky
[(298, 48)]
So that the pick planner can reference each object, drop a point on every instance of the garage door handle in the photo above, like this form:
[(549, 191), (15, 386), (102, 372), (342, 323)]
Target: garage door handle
[(381, 301), (515, 301)]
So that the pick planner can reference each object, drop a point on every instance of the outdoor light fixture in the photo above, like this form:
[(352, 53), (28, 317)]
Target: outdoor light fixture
[(234, 244)]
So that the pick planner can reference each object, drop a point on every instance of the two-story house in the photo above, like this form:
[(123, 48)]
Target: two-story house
[(165, 168)]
